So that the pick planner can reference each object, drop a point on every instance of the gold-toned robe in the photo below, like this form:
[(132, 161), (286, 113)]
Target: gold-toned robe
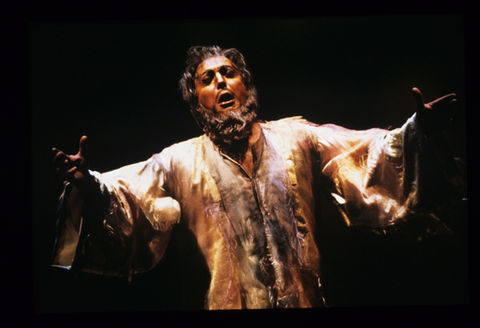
[(257, 233)]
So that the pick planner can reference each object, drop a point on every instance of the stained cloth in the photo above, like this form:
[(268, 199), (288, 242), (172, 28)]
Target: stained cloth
[(257, 233)]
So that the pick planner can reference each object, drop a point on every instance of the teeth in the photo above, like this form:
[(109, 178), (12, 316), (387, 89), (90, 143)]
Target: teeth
[(227, 103), (226, 100)]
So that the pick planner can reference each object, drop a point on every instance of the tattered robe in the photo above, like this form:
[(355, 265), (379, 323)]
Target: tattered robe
[(256, 232)]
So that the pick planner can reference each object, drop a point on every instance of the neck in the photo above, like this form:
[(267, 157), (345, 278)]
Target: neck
[(252, 139), (256, 131), (246, 160)]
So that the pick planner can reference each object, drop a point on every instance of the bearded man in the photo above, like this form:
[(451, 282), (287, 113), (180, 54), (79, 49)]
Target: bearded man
[(248, 190)]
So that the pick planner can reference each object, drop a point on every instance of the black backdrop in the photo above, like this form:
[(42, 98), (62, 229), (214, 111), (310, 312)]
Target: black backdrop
[(117, 82)]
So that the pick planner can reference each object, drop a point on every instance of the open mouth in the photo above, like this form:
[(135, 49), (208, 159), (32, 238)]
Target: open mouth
[(226, 100)]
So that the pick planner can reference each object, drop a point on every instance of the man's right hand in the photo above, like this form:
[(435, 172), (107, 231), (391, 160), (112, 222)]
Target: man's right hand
[(74, 168)]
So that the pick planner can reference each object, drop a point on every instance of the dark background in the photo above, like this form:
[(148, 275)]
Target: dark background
[(117, 83)]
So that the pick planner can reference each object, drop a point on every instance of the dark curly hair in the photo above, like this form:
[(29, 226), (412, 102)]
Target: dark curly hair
[(196, 55)]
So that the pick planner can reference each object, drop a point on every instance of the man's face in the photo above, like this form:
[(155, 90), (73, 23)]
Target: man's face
[(219, 85)]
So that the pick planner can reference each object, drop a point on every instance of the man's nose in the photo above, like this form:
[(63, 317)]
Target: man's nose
[(221, 83)]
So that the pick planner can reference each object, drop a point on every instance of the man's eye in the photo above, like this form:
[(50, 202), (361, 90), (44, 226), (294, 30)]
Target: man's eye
[(207, 80), (227, 71)]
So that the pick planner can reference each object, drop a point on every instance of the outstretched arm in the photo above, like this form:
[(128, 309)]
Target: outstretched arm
[(433, 118), (73, 169), (382, 176), (80, 184), (114, 223)]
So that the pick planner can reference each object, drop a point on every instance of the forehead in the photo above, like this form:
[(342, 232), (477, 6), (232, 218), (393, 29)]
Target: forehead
[(213, 63)]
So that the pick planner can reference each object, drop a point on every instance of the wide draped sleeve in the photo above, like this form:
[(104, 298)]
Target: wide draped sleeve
[(121, 228), (378, 177)]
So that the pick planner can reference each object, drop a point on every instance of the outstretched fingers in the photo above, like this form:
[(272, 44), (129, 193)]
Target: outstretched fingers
[(436, 115), (447, 99), (83, 147), (60, 159), (418, 99), (72, 166)]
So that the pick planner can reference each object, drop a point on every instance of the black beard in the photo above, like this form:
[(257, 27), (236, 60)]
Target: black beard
[(230, 130)]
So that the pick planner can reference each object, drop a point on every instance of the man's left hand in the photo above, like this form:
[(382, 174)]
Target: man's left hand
[(437, 115)]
